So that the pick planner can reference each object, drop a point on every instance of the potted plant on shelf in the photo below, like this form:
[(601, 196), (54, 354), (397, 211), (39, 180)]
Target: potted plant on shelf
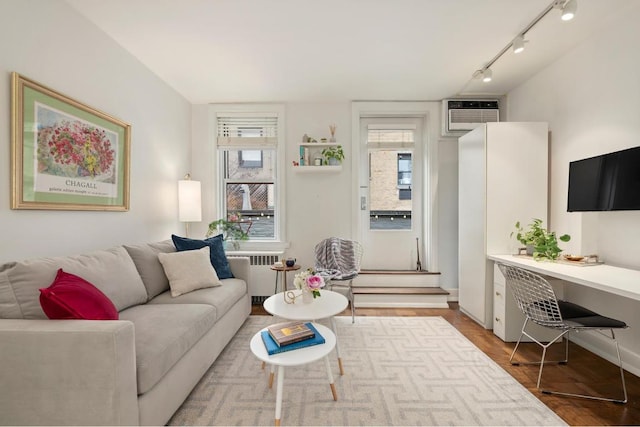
[(540, 242), (231, 229), (333, 155)]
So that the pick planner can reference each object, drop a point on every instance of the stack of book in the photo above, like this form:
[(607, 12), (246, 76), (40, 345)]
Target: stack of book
[(288, 336)]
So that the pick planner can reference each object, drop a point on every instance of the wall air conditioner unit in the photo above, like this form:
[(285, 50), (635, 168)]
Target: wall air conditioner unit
[(462, 115)]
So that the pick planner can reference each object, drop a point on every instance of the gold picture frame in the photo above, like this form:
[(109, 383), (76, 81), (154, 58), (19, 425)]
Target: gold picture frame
[(65, 155)]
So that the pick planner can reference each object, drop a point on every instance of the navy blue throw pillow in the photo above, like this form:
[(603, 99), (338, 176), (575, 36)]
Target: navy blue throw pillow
[(218, 258)]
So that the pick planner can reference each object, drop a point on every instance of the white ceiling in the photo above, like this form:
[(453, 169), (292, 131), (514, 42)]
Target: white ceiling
[(339, 50)]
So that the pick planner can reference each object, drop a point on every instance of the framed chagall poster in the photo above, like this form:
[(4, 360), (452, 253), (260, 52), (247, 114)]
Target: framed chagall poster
[(64, 154)]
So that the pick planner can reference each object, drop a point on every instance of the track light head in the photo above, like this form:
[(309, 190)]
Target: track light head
[(569, 10), (487, 75), (518, 44)]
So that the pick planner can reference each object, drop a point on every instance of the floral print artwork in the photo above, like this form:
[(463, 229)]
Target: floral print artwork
[(69, 147)]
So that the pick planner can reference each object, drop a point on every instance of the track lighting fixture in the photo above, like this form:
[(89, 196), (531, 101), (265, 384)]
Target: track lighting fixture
[(569, 10), (518, 44)]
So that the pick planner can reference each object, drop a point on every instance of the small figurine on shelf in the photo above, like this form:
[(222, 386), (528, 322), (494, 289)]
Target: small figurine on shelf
[(305, 138), (296, 163), (332, 130)]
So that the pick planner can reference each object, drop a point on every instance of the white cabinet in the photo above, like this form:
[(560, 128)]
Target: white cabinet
[(507, 317), (502, 178)]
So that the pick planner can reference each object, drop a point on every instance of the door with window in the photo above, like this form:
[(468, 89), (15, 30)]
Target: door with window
[(391, 192)]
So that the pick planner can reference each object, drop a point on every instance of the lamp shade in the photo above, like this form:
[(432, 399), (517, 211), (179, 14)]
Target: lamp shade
[(189, 201)]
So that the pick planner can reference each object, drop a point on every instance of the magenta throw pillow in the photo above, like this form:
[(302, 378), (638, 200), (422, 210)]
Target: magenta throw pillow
[(72, 297)]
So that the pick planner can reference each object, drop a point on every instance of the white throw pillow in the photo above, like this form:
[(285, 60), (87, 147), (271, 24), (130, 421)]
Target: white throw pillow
[(189, 270)]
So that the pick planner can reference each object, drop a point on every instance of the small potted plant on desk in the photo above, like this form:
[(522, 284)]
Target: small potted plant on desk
[(333, 155), (231, 229), (540, 243)]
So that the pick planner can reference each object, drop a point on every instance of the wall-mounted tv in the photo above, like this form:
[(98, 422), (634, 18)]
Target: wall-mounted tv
[(610, 182)]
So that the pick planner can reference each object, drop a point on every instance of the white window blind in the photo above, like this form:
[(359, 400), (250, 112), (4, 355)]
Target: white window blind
[(391, 136), (247, 130)]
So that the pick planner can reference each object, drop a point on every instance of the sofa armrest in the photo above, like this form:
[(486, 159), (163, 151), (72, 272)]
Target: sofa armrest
[(240, 267), (64, 372)]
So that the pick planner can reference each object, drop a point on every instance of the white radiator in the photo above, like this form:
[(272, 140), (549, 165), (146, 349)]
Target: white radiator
[(262, 280)]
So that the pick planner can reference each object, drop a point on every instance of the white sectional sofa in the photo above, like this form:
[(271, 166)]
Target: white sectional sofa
[(135, 370)]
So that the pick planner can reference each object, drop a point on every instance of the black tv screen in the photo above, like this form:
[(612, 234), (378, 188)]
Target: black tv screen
[(608, 182)]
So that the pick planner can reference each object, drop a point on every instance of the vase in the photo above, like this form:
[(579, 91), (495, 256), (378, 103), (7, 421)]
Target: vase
[(307, 296)]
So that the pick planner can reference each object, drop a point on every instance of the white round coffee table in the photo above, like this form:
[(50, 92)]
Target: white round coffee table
[(301, 356), (327, 305)]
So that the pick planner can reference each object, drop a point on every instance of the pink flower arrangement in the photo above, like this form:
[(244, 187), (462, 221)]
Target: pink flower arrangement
[(310, 281)]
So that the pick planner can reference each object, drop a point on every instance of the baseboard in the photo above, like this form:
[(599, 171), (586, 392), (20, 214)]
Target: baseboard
[(605, 348)]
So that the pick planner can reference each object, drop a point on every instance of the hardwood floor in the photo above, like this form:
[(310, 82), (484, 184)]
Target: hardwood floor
[(585, 371)]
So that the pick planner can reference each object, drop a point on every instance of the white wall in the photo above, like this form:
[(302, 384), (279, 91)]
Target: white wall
[(320, 205), (591, 99), (94, 70), (49, 42)]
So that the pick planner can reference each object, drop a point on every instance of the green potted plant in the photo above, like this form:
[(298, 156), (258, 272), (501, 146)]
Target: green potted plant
[(540, 242), (333, 155), (230, 228)]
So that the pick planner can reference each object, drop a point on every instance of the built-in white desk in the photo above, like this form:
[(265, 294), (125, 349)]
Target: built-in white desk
[(614, 280)]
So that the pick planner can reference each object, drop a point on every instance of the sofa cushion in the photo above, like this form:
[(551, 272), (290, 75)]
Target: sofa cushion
[(145, 257), (189, 270), (163, 334), (218, 257), (72, 297), (221, 297), (110, 270)]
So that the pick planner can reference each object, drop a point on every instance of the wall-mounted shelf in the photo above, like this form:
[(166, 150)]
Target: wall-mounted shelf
[(319, 169), (313, 151)]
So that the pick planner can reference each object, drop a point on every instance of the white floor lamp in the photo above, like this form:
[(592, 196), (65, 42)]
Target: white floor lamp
[(189, 202)]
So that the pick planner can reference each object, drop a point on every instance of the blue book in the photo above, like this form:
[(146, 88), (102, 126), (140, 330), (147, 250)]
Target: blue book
[(272, 347)]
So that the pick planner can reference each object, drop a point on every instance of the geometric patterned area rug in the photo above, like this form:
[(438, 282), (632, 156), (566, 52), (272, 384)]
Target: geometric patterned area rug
[(399, 371)]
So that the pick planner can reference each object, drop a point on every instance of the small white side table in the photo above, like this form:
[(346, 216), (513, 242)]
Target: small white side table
[(327, 305), (297, 357)]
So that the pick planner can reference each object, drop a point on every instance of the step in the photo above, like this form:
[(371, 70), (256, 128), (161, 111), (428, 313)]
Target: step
[(397, 278), (406, 290), (398, 272), (400, 296)]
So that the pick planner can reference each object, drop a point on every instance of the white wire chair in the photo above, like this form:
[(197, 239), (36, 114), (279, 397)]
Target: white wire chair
[(537, 301), (338, 261)]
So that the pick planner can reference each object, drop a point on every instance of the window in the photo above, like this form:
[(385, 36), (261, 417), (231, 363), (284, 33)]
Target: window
[(247, 145), (404, 176), (250, 158), (390, 176)]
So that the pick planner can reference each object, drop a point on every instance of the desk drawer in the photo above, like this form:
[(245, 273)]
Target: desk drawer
[(499, 310)]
